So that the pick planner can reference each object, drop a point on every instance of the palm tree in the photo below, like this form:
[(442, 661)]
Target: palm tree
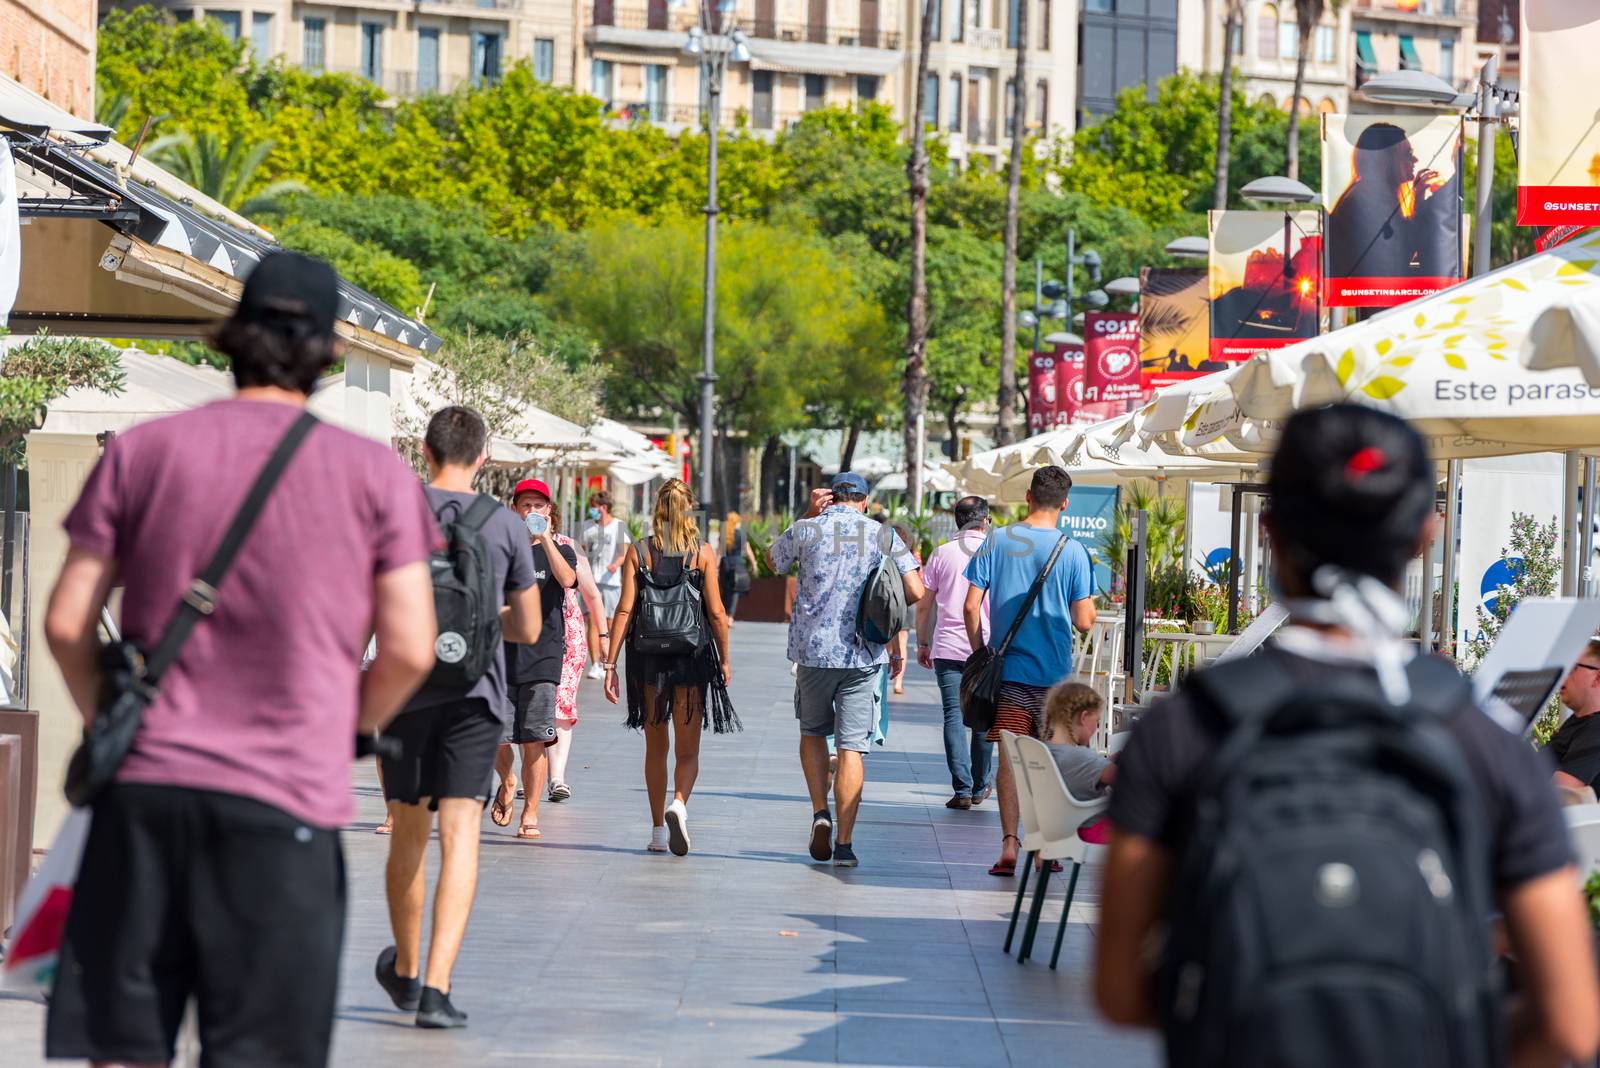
[(222, 171), (1308, 13), (1008, 268), (916, 373), (1233, 26)]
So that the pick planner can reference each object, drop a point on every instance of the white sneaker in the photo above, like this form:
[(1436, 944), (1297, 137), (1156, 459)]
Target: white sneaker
[(658, 840), (560, 791), (596, 671), (678, 828)]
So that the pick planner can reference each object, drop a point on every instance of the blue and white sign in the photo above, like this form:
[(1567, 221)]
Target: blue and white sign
[(1089, 515), (1492, 489)]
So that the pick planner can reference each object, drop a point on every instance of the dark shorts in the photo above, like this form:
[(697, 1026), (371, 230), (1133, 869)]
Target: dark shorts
[(187, 893), (446, 751), (533, 713), (1020, 710)]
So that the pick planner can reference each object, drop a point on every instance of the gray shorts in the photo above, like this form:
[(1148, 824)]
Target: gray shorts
[(837, 701), (533, 713), (609, 597)]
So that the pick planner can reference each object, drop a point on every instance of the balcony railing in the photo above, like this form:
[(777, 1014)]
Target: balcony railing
[(466, 6), (758, 118), (406, 83), (678, 20), (1441, 8)]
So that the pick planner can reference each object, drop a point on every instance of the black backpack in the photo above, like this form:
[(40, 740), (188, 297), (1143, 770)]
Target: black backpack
[(466, 597), (1332, 897), (668, 617)]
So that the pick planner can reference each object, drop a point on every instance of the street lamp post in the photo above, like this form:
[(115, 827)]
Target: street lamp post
[(714, 42)]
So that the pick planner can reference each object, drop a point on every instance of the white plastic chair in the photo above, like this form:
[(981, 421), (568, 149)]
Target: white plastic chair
[(1027, 823), (1059, 816), (1583, 829)]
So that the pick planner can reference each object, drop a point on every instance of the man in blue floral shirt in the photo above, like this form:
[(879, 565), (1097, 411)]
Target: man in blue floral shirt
[(837, 548)]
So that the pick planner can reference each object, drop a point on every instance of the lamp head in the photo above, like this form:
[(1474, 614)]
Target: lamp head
[(1416, 88), (1126, 286), (1027, 319), (694, 44), (1278, 190), (1096, 298), (740, 52), (1053, 290), (1188, 248)]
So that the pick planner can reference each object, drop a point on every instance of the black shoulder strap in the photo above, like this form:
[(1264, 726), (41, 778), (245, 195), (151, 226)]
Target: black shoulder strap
[(201, 598), (1251, 687), (1033, 595), (479, 513), (1438, 689)]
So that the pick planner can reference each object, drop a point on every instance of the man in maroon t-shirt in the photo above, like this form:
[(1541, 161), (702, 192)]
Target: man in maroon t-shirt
[(212, 868)]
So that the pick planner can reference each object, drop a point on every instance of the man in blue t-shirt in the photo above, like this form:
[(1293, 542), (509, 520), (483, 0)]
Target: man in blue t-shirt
[(1041, 654)]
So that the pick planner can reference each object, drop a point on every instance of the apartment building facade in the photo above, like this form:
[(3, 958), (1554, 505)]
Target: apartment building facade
[(1437, 36), (1266, 49), (48, 46)]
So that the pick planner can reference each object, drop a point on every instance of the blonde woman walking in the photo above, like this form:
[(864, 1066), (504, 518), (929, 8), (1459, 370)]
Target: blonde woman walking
[(670, 618)]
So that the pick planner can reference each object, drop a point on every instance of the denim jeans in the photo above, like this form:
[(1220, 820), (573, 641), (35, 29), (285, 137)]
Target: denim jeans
[(971, 761)]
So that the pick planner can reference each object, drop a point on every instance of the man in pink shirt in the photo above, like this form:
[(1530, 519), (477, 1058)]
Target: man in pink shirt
[(212, 869), (943, 647)]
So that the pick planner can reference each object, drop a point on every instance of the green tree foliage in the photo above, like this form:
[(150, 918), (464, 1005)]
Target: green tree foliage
[(222, 169), (42, 369)]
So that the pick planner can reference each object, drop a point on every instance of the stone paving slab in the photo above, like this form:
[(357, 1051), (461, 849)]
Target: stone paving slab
[(586, 950)]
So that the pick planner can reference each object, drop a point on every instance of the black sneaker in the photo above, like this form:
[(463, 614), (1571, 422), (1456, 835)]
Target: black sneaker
[(822, 836), (405, 993), (436, 1011), (844, 856)]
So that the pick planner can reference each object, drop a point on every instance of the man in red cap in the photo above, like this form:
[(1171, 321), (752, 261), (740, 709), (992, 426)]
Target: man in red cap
[(533, 672)]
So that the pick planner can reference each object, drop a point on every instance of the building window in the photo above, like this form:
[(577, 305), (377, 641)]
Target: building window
[(1326, 43), (544, 59), (866, 87), (1366, 58), (183, 14), (1013, 19), (936, 17), (955, 103), (957, 21), (261, 35), (485, 59), (974, 13), (930, 101), (1237, 38), (761, 83), (1042, 110), (313, 44), (1011, 105), (1099, 7), (1447, 61), (1267, 32), (1409, 60), (600, 80), (816, 91), (371, 52), (655, 91), (230, 22), (428, 59), (1289, 39), (1044, 25)]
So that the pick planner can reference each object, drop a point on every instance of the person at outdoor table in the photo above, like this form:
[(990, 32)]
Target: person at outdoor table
[(1041, 654), (1575, 746), (1071, 716), (943, 648), (1353, 500)]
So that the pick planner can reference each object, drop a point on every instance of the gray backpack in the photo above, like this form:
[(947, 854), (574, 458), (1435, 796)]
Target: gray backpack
[(881, 612)]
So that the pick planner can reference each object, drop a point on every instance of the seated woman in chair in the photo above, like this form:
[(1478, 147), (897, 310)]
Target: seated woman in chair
[(1071, 717)]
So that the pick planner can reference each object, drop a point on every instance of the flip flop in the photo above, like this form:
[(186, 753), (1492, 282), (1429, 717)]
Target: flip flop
[(529, 833), (500, 811), (384, 828), (1004, 870)]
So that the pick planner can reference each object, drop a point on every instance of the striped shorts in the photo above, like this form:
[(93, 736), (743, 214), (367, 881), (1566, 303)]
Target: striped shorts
[(1018, 710)]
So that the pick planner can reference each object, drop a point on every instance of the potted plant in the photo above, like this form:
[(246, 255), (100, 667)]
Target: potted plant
[(771, 595)]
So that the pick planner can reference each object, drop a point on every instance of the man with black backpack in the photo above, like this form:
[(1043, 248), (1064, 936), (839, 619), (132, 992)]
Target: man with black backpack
[(450, 730), (845, 613), (1323, 831)]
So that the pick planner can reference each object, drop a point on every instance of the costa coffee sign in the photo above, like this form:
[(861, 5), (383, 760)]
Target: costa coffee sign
[(1111, 357)]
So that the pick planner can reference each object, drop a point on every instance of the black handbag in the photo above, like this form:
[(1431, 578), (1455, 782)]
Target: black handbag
[(981, 674), (130, 678)]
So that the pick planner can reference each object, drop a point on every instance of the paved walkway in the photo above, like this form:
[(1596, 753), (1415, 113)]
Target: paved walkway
[(585, 950)]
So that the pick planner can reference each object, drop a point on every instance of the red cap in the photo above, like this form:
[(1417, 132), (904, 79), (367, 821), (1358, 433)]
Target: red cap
[(532, 485)]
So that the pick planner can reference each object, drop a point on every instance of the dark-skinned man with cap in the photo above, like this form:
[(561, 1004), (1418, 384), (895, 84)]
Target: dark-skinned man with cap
[(212, 870), (837, 549), (533, 672)]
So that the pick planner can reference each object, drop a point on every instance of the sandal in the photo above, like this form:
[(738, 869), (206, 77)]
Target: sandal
[(500, 810), (1004, 869), (530, 833)]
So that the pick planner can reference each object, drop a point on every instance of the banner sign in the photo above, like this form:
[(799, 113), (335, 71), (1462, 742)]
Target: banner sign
[(1111, 357), (1392, 188), (1088, 517), (1042, 396), (1069, 382), (1492, 489), (1557, 235), (1558, 151), (1174, 326), (1263, 296)]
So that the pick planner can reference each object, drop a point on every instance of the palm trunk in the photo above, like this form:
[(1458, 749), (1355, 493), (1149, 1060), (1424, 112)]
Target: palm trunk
[(1219, 199), (848, 455), (1291, 163), (916, 373), (1008, 269)]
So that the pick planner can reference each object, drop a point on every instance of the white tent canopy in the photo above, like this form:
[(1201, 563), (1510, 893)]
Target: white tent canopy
[(155, 386)]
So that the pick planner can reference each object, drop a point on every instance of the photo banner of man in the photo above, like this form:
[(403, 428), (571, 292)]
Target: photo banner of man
[(1174, 325), (1043, 403), (1069, 381), (1111, 357), (1392, 187), (1263, 296), (1558, 147)]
